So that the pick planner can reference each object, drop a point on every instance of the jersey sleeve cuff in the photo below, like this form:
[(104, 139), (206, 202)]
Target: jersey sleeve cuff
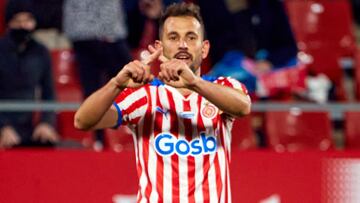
[(119, 120)]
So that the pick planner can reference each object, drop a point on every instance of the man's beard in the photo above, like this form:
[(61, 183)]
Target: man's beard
[(194, 65)]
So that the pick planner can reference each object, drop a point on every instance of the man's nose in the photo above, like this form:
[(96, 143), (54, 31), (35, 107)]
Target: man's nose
[(183, 44)]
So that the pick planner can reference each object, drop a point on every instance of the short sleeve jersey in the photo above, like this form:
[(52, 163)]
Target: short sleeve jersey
[(182, 144)]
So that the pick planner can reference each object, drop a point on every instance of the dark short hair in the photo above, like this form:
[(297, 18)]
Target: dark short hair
[(14, 7), (181, 9)]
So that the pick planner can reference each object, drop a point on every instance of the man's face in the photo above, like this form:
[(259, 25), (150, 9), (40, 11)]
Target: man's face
[(23, 20), (182, 38)]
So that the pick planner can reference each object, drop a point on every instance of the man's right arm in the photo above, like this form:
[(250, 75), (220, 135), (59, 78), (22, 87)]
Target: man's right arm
[(97, 111)]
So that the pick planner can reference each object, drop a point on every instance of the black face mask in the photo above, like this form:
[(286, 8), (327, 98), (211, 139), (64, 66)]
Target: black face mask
[(20, 35)]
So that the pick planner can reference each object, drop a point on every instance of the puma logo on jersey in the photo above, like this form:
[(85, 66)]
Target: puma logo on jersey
[(161, 110), (167, 144)]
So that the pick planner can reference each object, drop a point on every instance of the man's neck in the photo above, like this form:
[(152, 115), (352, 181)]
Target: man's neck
[(184, 91)]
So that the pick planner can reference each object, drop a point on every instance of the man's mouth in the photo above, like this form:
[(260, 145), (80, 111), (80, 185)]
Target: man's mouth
[(183, 56)]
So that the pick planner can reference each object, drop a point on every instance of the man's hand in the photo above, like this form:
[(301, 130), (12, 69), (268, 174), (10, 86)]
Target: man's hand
[(45, 133), (177, 73), (8, 137), (137, 73)]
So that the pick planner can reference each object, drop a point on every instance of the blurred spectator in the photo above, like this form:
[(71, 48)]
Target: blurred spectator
[(25, 68), (143, 25), (98, 33), (142, 20), (48, 13), (142, 16), (254, 37), (356, 10)]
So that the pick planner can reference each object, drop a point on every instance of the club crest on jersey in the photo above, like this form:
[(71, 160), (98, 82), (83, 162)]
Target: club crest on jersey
[(209, 111), (167, 144)]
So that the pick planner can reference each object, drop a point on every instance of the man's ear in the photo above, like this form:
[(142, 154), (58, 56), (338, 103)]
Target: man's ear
[(158, 44), (205, 48)]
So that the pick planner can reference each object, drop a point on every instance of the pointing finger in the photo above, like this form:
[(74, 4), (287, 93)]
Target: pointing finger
[(151, 48), (155, 53), (161, 56)]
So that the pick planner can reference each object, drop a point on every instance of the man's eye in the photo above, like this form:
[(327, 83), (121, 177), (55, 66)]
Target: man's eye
[(172, 38), (192, 38)]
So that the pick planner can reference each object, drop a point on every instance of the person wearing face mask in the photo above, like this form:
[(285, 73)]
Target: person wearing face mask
[(25, 68)]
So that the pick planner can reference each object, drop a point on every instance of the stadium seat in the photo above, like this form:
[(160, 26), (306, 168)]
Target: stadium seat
[(67, 131), (315, 22), (67, 84), (68, 89), (327, 61), (243, 136), (119, 139), (352, 130), (296, 130), (357, 75), (324, 30)]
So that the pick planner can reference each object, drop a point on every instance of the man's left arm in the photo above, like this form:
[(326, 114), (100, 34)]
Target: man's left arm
[(177, 74), (230, 100)]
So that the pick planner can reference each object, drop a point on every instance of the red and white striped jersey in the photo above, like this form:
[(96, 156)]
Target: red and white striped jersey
[(182, 144)]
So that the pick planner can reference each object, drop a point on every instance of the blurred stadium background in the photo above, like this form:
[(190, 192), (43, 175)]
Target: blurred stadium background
[(287, 151)]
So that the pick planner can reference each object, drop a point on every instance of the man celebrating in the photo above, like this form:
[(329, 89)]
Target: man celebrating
[(181, 122)]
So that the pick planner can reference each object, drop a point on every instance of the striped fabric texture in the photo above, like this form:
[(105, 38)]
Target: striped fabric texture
[(182, 143)]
